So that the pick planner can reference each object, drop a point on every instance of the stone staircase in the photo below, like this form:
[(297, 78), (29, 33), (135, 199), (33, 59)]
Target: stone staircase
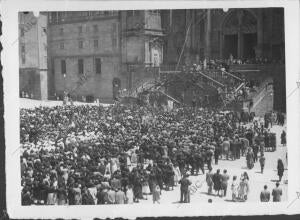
[(263, 101)]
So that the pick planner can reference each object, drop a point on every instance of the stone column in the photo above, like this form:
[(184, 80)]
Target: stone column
[(207, 52), (270, 15), (240, 35), (188, 37), (171, 18), (259, 47), (221, 44)]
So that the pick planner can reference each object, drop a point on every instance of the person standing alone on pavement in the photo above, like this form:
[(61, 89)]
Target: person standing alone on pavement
[(265, 195), (277, 193), (184, 188), (224, 184), (280, 169)]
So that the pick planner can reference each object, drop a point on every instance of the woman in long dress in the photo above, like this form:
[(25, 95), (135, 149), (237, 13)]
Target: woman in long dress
[(129, 195), (114, 165), (61, 194), (156, 194), (77, 195), (243, 189), (283, 138), (145, 184), (177, 173), (52, 193), (234, 188), (280, 169), (250, 159)]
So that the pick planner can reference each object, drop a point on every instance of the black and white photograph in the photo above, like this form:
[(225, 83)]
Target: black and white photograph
[(152, 107)]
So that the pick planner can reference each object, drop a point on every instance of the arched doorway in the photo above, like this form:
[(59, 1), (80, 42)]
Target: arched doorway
[(116, 87), (239, 33)]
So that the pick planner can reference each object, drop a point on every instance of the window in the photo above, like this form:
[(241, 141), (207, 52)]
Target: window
[(95, 43), (80, 29), (80, 44), (114, 36), (62, 46), (95, 27), (130, 13), (61, 31), (22, 32), (156, 12), (98, 65), (23, 54), (114, 43), (23, 49), (80, 66), (63, 67), (44, 33)]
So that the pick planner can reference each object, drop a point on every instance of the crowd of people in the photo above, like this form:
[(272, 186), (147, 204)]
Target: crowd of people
[(84, 155)]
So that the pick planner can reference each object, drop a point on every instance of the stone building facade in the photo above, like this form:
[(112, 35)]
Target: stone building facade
[(94, 54), (217, 33), (33, 76)]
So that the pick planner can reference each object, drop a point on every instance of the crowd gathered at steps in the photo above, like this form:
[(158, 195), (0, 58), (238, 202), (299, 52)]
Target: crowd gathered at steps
[(84, 155)]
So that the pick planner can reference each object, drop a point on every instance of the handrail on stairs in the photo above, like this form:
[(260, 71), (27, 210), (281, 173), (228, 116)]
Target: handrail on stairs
[(170, 97), (239, 87), (220, 84), (230, 74)]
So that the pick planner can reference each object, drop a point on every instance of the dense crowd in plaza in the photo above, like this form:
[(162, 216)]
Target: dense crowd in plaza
[(123, 153)]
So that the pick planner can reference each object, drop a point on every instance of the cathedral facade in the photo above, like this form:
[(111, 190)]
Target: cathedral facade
[(94, 54)]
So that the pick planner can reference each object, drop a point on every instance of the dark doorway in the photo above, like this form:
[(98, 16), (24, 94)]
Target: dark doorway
[(230, 45), (250, 41), (276, 52)]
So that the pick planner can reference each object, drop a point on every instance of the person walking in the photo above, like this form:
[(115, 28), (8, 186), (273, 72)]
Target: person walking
[(277, 193), (217, 154), (250, 159), (265, 194), (262, 161), (209, 181), (255, 151), (283, 138), (280, 169), (226, 148)]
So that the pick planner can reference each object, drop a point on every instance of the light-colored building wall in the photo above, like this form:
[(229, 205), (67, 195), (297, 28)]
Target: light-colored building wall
[(100, 39)]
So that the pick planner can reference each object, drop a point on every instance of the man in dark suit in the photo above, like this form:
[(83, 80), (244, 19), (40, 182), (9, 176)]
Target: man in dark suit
[(262, 161), (265, 195), (277, 193), (184, 188)]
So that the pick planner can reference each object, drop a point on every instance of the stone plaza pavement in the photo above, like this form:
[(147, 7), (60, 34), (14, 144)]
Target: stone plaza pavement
[(237, 167)]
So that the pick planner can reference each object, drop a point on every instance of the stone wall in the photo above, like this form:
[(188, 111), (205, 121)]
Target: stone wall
[(100, 39)]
